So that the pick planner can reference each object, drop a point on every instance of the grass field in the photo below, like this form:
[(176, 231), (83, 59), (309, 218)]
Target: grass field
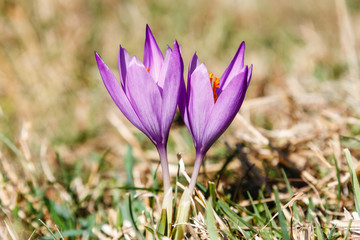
[(73, 167)]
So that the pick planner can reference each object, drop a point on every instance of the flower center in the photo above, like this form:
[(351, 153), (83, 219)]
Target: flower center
[(148, 69), (215, 84)]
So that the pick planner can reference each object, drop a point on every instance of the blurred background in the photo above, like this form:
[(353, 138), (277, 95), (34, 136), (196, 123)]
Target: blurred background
[(303, 97), (49, 77)]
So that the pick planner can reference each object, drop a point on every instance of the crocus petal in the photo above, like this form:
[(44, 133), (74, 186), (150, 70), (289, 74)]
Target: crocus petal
[(124, 60), (249, 74), (153, 57), (184, 94), (194, 63), (164, 69), (174, 72), (201, 101), (225, 109), (234, 68), (145, 98), (183, 103), (117, 94)]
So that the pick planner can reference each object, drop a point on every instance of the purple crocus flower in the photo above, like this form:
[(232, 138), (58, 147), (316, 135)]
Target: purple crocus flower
[(209, 104), (148, 92)]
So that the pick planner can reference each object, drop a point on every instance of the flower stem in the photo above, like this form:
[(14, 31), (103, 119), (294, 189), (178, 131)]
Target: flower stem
[(165, 167), (198, 161)]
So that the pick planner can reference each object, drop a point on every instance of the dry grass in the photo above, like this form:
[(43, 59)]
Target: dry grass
[(64, 144)]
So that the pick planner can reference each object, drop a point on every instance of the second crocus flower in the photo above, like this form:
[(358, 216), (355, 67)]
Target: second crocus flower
[(148, 92), (209, 104)]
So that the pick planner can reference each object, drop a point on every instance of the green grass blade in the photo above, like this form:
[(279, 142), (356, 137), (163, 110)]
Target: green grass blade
[(319, 231), (162, 224), (309, 217), (351, 138), (10, 145), (133, 222), (129, 166), (282, 220), (229, 235), (156, 235), (348, 230), (260, 220), (354, 179), (182, 215), (212, 193), (267, 211), (288, 186), (338, 179), (237, 221), (139, 188), (256, 211), (210, 221), (49, 230), (350, 142), (240, 208), (291, 192), (119, 218), (333, 235), (64, 171)]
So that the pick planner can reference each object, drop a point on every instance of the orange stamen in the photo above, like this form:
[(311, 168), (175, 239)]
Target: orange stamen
[(215, 84), (148, 69)]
